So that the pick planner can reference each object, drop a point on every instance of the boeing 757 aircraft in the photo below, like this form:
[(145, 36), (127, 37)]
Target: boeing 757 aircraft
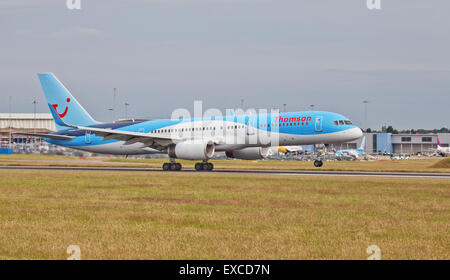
[(190, 138)]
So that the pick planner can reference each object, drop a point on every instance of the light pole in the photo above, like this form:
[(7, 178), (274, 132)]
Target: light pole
[(284, 107), (112, 113), (10, 122), (114, 103), (365, 102), (34, 110), (312, 107), (34, 121), (126, 110)]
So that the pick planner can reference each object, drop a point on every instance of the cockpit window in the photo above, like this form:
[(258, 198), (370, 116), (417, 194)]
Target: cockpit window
[(342, 122)]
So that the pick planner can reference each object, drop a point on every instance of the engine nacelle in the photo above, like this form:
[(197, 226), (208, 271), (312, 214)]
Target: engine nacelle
[(193, 150), (251, 153)]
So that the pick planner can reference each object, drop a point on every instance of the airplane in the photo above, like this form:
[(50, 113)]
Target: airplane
[(290, 149), (353, 152), (188, 138), (442, 151)]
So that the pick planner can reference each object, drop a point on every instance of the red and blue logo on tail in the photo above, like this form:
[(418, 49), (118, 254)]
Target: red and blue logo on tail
[(62, 104)]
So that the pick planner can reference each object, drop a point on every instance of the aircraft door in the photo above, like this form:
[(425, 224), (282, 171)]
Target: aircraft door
[(250, 130), (318, 124), (87, 137)]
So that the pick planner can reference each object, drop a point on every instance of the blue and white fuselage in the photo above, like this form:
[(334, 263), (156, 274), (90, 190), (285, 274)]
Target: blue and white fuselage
[(228, 133), (239, 136)]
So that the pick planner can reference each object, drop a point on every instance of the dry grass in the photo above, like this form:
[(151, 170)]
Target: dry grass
[(215, 216), (444, 163), (412, 165), (36, 157)]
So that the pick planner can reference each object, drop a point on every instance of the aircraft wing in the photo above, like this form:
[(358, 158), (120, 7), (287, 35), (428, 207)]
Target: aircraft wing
[(45, 135), (131, 137)]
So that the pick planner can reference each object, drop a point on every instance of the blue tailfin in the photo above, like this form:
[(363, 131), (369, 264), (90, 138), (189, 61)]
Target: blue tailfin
[(61, 102), (363, 143)]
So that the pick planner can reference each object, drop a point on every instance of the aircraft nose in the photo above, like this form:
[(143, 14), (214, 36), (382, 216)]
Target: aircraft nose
[(355, 133), (358, 132)]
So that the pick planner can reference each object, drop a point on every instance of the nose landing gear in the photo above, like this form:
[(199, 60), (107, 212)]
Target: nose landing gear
[(318, 163)]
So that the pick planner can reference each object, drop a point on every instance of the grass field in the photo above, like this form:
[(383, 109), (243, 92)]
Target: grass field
[(444, 163), (134, 215), (412, 165)]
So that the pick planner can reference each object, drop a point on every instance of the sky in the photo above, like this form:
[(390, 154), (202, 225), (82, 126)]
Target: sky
[(164, 54)]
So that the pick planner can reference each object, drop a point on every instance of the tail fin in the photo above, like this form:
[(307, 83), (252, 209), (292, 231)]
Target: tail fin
[(363, 143), (438, 142), (62, 103)]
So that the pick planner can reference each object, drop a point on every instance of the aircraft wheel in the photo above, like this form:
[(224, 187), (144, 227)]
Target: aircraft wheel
[(173, 166), (198, 166), (205, 166), (166, 167), (209, 166), (178, 165), (318, 163)]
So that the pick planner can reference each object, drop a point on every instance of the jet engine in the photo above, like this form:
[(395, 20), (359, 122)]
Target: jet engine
[(249, 153), (192, 150)]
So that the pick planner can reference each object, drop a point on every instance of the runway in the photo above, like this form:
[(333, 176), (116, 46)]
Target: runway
[(232, 171)]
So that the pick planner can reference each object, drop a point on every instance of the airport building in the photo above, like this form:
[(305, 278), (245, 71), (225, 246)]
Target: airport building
[(24, 122), (398, 143)]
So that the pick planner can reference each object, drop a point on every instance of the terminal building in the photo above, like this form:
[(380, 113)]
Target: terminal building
[(377, 143), (24, 122)]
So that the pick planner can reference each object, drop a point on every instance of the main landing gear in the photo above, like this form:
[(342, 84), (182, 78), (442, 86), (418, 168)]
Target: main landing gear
[(318, 163), (175, 166), (204, 166), (171, 166)]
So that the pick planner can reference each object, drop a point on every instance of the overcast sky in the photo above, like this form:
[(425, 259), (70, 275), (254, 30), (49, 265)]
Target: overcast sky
[(164, 54)]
